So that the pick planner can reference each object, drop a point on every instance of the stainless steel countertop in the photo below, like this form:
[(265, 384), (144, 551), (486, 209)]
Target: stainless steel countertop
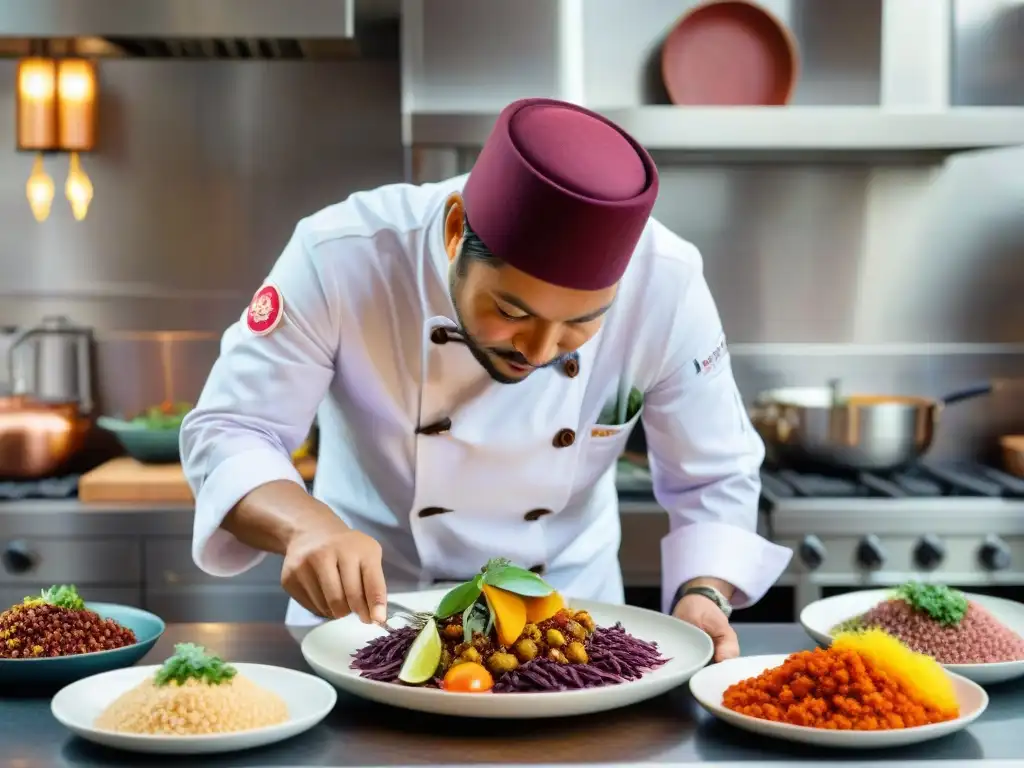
[(669, 731)]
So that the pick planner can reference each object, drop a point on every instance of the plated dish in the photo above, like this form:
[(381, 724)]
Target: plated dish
[(57, 623), (867, 690), (506, 631), (979, 637), (56, 637), (506, 644), (194, 702)]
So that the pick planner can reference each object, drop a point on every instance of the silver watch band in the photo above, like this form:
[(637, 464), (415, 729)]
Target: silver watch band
[(710, 593)]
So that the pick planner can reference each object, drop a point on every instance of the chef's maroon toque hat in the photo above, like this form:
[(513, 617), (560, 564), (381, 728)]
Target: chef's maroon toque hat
[(561, 193)]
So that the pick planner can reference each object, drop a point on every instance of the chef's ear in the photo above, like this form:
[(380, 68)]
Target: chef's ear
[(454, 224)]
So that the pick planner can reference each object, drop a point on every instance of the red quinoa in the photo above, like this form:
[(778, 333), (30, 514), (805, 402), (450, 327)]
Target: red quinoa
[(36, 629), (978, 639)]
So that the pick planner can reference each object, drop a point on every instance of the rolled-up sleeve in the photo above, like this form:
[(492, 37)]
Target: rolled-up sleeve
[(257, 407), (705, 460)]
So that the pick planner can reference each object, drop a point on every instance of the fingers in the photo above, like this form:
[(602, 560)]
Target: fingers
[(375, 590), (306, 590), (352, 580), (727, 644), (332, 585)]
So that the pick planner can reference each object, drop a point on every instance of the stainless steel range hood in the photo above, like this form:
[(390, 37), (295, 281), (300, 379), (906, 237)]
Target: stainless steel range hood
[(204, 29)]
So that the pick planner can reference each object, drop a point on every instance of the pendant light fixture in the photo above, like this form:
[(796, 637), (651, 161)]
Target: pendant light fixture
[(37, 124), (57, 112), (76, 126)]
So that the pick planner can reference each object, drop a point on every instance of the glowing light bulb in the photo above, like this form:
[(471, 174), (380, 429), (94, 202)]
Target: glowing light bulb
[(40, 190), (78, 188)]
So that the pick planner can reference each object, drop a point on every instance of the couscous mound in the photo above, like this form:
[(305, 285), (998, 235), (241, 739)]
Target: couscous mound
[(193, 694)]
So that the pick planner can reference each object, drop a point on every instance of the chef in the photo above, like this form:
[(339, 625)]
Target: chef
[(477, 352)]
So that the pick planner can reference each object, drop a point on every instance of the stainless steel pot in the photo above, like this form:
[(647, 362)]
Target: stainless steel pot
[(815, 427)]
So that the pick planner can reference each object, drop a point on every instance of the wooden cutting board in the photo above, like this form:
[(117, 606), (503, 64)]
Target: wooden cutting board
[(125, 479)]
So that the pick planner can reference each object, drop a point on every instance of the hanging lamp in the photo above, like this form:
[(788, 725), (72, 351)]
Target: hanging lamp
[(76, 126), (37, 124)]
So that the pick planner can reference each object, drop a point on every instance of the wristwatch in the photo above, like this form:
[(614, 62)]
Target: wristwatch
[(710, 593)]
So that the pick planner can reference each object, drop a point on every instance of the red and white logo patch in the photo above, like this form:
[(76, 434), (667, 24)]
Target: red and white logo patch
[(265, 310)]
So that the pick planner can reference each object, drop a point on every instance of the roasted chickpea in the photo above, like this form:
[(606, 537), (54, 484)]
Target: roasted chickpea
[(556, 655), (585, 620), (575, 629), (576, 653), (470, 654), (555, 638), (481, 642), (453, 631), (531, 632), (500, 662), (526, 649)]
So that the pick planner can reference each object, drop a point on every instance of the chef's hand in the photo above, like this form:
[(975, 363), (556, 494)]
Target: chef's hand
[(704, 614), (332, 570)]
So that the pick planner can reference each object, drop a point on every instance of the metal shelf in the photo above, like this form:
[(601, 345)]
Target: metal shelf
[(759, 129)]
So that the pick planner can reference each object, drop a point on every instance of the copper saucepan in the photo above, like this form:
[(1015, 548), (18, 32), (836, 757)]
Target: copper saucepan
[(37, 438), (815, 427)]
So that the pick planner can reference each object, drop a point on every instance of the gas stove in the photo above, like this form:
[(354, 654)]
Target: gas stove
[(959, 524)]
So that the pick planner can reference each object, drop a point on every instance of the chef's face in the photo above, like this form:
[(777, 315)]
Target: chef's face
[(515, 323)]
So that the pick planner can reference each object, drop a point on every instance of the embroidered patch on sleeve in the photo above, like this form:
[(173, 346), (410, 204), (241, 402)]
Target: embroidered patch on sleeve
[(704, 365), (265, 310)]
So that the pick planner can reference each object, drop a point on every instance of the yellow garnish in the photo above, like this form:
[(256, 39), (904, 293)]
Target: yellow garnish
[(923, 678)]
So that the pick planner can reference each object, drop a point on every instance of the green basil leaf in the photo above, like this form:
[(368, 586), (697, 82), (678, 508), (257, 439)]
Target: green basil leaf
[(512, 578), (459, 599)]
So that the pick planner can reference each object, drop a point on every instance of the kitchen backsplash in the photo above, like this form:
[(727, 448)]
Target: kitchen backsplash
[(894, 275)]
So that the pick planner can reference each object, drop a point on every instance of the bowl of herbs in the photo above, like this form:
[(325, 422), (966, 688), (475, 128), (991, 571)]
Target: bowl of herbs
[(151, 436)]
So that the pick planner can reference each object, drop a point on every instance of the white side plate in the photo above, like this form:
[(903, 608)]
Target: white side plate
[(819, 617), (309, 700), (710, 684)]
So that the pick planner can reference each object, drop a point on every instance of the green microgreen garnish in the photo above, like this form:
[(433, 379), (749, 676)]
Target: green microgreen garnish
[(62, 596), (945, 605), (191, 661)]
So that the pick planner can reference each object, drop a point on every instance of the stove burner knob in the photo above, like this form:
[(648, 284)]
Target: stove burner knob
[(929, 552), (812, 551), (994, 554), (18, 557), (870, 553)]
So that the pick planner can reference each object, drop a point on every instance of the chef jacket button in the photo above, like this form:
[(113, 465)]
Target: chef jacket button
[(536, 514), (431, 511), (572, 367), (437, 428), (439, 336), (564, 438), (538, 569)]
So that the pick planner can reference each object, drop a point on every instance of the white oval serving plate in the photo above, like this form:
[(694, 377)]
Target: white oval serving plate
[(328, 650)]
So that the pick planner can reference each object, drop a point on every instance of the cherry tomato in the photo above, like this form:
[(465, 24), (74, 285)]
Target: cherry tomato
[(468, 677)]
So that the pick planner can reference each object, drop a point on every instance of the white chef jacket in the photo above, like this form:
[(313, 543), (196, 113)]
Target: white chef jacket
[(364, 284)]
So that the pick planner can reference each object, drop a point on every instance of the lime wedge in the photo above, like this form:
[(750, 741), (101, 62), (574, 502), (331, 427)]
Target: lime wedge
[(424, 656)]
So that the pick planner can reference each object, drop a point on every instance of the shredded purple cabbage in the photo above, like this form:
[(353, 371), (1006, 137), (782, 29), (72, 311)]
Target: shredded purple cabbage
[(615, 657)]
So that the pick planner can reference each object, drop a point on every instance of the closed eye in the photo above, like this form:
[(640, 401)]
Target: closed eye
[(507, 316)]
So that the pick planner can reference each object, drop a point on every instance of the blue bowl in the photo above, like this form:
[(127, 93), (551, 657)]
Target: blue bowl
[(148, 446), (61, 670)]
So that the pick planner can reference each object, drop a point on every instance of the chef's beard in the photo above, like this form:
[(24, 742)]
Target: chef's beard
[(485, 355)]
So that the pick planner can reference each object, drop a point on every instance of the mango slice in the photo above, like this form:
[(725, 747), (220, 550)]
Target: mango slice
[(541, 608), (509, 613)]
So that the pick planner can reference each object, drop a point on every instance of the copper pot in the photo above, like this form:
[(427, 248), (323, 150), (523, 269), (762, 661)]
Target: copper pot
[(37, 438)]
